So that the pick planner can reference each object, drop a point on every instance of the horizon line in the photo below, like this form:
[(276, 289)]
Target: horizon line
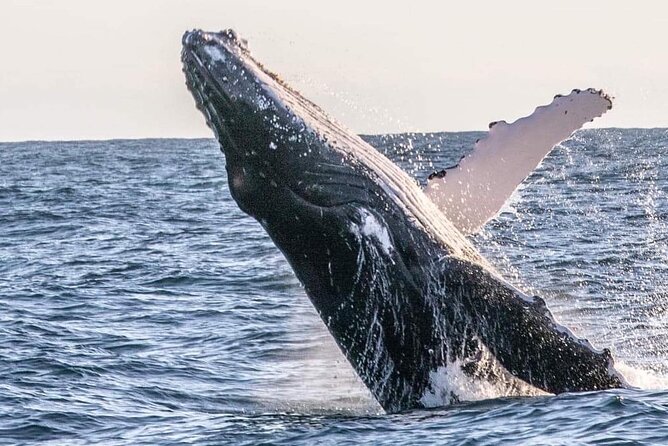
[(141, 138)]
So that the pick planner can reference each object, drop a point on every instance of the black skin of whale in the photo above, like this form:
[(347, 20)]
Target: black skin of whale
[(397, 313)]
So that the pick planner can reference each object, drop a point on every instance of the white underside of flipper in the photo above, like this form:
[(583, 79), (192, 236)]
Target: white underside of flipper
[(474, 191)]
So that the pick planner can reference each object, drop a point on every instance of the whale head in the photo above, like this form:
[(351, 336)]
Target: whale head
[(276, 160)]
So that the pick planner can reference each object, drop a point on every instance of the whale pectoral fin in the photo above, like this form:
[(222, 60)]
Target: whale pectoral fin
[(473, 192)]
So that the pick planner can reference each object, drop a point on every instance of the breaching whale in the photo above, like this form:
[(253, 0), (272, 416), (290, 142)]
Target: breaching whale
[(403, 292)]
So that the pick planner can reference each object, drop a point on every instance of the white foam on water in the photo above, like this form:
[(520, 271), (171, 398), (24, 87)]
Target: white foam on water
[(642, 378), (451, 384)]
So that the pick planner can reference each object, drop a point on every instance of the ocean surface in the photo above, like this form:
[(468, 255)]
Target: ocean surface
[(139, 305)]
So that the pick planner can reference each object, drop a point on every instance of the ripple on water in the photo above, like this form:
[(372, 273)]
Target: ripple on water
[(140, 306)]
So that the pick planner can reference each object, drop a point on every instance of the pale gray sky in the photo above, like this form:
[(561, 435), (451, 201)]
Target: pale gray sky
[(77, 69)]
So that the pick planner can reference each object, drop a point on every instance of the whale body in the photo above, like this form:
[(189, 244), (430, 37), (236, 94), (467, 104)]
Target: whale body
[(403, 292)]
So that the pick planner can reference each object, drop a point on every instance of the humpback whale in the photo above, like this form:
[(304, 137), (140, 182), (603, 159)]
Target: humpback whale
[(406, 296)]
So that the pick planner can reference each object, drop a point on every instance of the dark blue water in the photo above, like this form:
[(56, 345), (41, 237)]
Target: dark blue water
[(138, 305)]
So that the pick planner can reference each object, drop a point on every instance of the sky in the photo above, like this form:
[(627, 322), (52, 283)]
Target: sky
[(86, 69)]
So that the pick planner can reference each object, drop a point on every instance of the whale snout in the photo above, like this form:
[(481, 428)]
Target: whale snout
[(216, 65), (229, 38)]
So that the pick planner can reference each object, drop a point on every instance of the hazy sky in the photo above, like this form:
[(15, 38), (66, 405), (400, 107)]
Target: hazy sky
[(77, 69)]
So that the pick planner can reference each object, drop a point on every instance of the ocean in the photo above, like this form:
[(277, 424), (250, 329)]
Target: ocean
[(139, 305)]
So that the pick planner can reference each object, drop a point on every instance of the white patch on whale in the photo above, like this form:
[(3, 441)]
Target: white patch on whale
[(372, 228)]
